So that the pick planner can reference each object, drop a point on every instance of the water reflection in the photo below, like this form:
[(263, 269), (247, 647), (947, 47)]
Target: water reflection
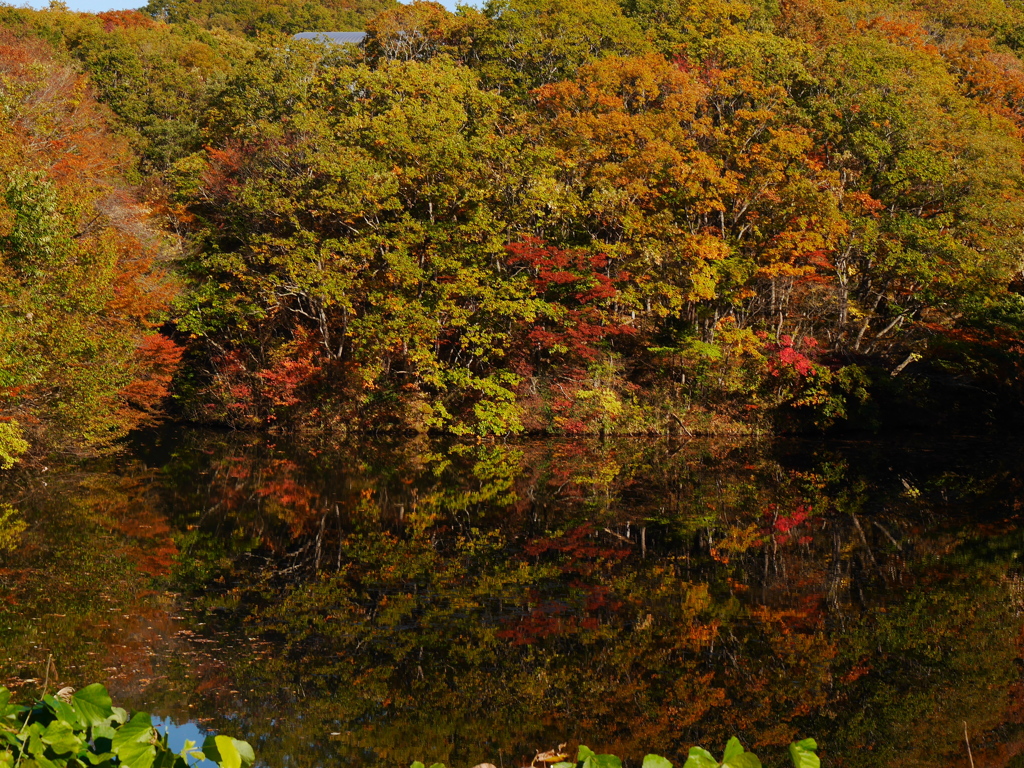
[(385, 602)]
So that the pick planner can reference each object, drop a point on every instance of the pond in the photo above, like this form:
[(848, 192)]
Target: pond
[(378, 603)]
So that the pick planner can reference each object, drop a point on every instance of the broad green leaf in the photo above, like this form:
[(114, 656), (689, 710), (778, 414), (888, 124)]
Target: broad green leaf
[(654, 761), (563, 765), (133, 743), (607, 761), (249, 757), (35, 744), (120, 715), (104, 731), (61, 737), (583, 753), (93, 704), (802, 754), (64, 712), (700, 758), (222, 750), (167, 759), (43, 762), (437, 765), (5, 699), (95, 759), (746, 760), (732, 749), (417, 764)]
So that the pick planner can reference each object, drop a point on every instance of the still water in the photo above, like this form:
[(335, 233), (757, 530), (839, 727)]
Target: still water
[(374, 604)]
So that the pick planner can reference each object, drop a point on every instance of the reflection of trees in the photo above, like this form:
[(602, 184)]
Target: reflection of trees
[(464, 603), (461, 603), (78, 585)]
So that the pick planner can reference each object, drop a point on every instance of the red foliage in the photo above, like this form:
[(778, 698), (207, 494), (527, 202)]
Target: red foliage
[(580, 548), (157, 359), (572, 281), (785, 357), (283, 383)]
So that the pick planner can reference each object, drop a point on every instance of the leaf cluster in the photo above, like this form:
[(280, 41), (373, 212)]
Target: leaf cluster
[(82, 729)]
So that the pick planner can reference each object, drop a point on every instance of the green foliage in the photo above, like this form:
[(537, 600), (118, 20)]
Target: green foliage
[(380, 266), (158, 79), (83, 728), (11, 528), (711, 178), (801, 752), (252, 17), (12, 443), (530, 43)]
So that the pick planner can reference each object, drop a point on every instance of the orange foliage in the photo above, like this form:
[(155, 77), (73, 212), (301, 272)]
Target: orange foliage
[(129, 19), (105, 273)]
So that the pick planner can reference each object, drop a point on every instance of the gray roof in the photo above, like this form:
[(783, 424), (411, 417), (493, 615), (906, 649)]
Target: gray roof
[(332, 37)]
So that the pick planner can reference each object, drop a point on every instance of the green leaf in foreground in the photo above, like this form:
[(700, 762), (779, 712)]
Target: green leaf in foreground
[(60, 736), (803, 754), (654, 761), (700, 758), (228, 752), (93, 704), (91, 733), (134, 743), (733, 749)]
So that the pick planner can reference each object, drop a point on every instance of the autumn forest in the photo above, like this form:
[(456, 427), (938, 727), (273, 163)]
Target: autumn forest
[(540, 216), (632, 373)]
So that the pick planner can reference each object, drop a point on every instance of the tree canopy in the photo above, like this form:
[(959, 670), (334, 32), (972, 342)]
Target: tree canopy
[(550, 215)]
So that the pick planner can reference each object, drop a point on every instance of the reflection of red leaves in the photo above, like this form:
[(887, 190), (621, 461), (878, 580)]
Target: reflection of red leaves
[(579, 553), (785, 524), (782, 523), (581, 549), (857, 671), (148, 540)]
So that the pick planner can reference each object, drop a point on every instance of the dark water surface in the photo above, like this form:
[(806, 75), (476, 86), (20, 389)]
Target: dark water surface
[(390, 601)]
